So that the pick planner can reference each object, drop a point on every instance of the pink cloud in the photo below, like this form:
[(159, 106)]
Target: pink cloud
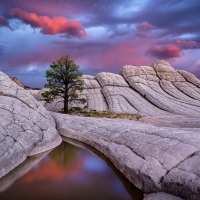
[(112, 58), (142, 34), (198, 63), (165, 52), (187, 44), (4, 23), (51, 26), (94, 56), (145, 26)]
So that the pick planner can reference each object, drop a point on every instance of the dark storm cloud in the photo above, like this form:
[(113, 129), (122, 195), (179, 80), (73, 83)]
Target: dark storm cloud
[(187, 44), (164, 52), (68, 8), (119, 32), (173, 16)]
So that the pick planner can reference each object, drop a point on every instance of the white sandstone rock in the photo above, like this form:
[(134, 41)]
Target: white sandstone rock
[(26, 127), (110, 79), (122, 99), (149, 86), (143, 153), (190, 77), (161, 196)]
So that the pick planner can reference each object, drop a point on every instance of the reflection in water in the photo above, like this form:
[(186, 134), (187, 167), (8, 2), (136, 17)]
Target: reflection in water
[(68, 172), (64, 154), (134, 192), (19, 171)]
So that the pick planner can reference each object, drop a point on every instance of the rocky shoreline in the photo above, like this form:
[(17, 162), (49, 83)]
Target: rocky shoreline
[(159, 154), (152, 158)]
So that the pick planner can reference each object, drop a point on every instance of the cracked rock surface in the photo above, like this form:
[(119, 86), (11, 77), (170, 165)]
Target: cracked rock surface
[(161, 196), (92, 93), (157, 89), (153, 158), (160, 153), (26, 127), (189, 77), (121, 98), (164, 87)]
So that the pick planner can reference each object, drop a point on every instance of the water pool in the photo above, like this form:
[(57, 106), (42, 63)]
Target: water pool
[(69, 172)]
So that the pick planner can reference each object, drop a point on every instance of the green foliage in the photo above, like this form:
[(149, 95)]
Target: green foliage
[(64, 81)]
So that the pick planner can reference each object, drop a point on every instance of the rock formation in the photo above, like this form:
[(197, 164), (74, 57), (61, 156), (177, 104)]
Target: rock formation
[(157, 89), (17, 81), (153, 158), (19, 171), (26, 127), (159, 154), (157, 83), (161, 196)]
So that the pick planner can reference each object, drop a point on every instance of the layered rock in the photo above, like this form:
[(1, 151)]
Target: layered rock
[(26, 127), (121, 98), (166, 72), (154, 82), (156, 89), (92, 93), (189, 77), (159, 153)]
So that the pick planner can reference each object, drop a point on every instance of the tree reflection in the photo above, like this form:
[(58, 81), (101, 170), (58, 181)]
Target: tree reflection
[(64, 154)]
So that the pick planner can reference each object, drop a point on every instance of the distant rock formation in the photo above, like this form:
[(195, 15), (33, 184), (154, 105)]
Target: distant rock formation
[(148, 90), (17, 81)]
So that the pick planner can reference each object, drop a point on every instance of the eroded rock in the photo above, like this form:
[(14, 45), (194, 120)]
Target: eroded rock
[(190, 77), (161, 196), (184, 179), (147, 80), (26, 127), (142, 152), (121, 98)]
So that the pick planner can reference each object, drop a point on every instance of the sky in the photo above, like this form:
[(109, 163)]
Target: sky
[(99, 35)]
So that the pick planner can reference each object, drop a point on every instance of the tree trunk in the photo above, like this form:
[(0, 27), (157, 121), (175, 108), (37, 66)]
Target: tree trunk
[(66, 106)]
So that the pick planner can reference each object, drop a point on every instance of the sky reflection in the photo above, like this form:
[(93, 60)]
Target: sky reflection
[(68, 172)]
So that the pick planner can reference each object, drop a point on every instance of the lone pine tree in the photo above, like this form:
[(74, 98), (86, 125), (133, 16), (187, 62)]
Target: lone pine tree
[(64, 81)]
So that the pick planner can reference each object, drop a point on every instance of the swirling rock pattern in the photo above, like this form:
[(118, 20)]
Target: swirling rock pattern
[(157, 89), (160, 153), (164, 87)]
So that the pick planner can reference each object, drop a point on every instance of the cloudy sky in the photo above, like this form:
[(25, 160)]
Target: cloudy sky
[(99, 35)]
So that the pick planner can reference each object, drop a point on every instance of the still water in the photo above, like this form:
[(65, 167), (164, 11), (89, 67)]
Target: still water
[(68, 172)]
